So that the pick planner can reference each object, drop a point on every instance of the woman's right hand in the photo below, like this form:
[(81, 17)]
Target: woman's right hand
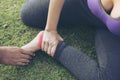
[(50, 42)]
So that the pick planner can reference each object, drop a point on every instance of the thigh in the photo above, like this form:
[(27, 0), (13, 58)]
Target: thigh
[(34, 12), (108, 53)]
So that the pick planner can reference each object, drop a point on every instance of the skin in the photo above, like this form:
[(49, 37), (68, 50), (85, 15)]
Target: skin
[(116, 9), (51, 36), (107, 4), (114, 6), (14, 56)]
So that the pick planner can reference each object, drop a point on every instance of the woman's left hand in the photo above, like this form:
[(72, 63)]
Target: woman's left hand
[(50, 42)]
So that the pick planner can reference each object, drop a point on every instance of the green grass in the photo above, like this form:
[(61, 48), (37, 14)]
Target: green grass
[(42, 67)]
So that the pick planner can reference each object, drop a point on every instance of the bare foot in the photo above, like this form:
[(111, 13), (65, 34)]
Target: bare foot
[(35, 44)]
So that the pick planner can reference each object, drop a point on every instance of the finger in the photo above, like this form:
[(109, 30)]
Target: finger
[(61, 39), (46, 46), (49, 49), (27, 52), (24, 60), (43, 44), (25, 56), (53, 50), (21, 63)]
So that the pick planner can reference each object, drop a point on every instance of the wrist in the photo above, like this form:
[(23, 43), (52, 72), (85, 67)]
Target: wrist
[(51, 30)]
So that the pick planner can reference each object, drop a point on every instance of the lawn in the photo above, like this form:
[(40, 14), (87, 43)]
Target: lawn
[(14, 33)]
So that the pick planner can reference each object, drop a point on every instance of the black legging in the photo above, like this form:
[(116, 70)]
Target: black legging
[(107, 66)]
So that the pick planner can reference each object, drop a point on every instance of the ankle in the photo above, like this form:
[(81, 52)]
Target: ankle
[(41, 34)]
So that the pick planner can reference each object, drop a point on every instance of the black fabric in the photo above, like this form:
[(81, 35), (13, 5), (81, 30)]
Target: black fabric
[(60, 47), (83, 67)]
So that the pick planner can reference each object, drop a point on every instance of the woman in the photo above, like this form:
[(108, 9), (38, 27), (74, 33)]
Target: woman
[(102, 13)]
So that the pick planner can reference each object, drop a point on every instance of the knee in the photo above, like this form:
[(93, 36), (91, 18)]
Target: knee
[(34, 14)]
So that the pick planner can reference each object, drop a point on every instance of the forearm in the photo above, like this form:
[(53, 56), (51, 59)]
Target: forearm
[(55, 8)]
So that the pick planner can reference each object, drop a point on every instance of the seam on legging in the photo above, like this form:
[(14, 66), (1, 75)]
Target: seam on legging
[(59, 49)]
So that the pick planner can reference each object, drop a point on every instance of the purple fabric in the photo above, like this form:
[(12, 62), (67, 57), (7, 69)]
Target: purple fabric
[(112, 24)]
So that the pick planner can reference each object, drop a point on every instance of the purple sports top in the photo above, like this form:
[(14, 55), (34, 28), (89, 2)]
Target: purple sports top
[(112, 24)]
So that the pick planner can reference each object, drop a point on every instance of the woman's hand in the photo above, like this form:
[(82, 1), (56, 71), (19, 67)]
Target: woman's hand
[(50, 41), (14, 56)]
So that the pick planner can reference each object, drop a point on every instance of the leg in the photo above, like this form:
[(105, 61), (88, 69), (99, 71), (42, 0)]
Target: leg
[(78, 63), (108, 52), (34, 12), (83, 67)]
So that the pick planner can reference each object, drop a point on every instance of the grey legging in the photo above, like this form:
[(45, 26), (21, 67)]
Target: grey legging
[(107, 66), (83, 67)]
